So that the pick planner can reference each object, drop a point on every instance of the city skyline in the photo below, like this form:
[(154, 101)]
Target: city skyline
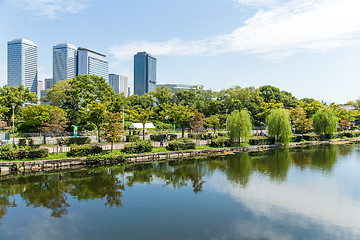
[(309, 48)]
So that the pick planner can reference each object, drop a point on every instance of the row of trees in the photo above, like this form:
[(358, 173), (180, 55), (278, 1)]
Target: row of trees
[(90, 103)]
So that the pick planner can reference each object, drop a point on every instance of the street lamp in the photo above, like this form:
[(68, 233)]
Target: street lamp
[(226, 118), (13, 112)]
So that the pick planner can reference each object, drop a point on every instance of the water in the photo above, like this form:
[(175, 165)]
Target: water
[(286, 194)]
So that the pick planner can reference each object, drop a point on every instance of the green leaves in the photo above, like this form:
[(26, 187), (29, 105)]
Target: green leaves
[(325, 121), (240, 125), (279, 126)]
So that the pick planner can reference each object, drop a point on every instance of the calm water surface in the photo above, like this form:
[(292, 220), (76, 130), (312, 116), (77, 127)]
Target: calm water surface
[(286, 194)]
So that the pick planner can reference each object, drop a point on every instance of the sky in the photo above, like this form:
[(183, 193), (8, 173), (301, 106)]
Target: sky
[(310, 48)]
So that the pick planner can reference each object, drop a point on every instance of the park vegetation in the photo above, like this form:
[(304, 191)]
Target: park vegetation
[(90, 103)]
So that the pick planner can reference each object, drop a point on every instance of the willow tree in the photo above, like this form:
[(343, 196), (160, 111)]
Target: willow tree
[(325, 121), (240, 125), (279, 125)]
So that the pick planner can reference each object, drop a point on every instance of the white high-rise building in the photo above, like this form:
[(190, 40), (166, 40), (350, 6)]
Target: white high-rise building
[(119, 83), (64, 62), (92, 63), (22, 65)]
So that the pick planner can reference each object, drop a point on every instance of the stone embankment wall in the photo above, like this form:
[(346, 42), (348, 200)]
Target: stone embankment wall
[(61, 164)]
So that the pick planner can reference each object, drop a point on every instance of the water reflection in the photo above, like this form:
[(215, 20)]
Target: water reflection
[(109, 183)]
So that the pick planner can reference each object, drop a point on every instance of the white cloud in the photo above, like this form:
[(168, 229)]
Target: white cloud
[(52, 8), (281, 30)]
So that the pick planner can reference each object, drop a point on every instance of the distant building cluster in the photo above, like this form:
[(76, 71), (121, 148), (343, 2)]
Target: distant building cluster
[(70, 61)]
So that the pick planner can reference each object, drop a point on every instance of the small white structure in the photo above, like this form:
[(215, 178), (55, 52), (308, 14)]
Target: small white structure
[(140, 126)]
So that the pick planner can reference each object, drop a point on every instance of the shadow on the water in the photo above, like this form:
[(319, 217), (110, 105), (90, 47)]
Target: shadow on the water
[(52, 191)]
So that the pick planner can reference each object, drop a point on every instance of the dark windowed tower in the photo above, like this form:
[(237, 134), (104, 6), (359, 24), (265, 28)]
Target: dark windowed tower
[(144, 73)]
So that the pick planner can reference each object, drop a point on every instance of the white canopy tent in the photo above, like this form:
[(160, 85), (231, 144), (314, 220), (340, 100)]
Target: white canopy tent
[(140, 126)]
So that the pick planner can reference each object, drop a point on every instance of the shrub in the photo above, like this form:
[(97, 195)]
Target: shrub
[(163, 126), (180, 144), (22, 142), (132, 138), (102, 157), (38, 153), (221, 134), (13, 154), (84, 150), (261, 140), (220, 142), (311, 137), (78, 140), (159, 137), (194, 135), (139, 147)]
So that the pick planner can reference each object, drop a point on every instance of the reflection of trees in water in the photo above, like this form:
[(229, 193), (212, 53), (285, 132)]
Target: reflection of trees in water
[(238, 169), (274, 165), (322, 158), (51, 191)]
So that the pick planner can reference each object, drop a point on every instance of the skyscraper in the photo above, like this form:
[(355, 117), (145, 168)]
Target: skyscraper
[(64, 62), (119, 83), (22, 64), (92, 63), (49, 83), (144, 73)]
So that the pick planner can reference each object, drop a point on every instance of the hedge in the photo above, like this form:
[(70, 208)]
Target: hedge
[(84, 150), (103, 157), (261, 140), (132, 138), (220, 142), (139, 147), (77, 140), (181, 144), (159, 137), (24, 153), (22, 142)]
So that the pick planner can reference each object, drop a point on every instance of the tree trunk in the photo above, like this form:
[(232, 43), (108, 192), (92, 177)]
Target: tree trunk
[(98, 130), (143, 131), (112, 146), (183, 130)]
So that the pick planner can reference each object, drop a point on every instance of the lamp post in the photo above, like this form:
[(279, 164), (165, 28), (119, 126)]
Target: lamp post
[(226, 118), (13, 112)]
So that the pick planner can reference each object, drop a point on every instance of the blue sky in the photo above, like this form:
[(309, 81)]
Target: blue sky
[(310, 48)]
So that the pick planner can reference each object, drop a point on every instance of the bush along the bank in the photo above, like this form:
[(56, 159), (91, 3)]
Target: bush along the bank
[(139, 147), (181, 144), (18, 154), (22, 142), (132, 138), (221, 142), (261, 140), (159, 137), (84, 150), (76, 141), (97, 158)]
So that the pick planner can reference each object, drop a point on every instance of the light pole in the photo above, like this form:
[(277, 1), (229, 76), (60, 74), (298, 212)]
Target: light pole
[(13, 112), (226, 118)]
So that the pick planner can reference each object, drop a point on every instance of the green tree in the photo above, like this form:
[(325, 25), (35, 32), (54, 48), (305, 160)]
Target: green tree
[(95, 113), (325, 121), (265, 108), (45, 118), (300, 122), (19, 96), (142, 115), (179, 114), (213, 121), (311, 106), (240, 125), (279, 126), (56, 96), (112, 128)]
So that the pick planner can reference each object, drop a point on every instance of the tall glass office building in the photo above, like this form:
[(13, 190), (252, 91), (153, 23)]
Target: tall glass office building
[(119, 83), (64, 62), (144, 73), (92, 63), (22, 65)]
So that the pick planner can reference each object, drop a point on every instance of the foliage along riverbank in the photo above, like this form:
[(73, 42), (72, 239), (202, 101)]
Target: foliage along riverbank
[(61, 164)]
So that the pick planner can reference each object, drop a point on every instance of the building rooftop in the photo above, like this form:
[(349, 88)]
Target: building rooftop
[(22, 40), (65, 45), (92, 51)]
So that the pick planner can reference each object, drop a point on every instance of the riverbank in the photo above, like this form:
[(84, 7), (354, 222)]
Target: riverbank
[(11, 167)]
